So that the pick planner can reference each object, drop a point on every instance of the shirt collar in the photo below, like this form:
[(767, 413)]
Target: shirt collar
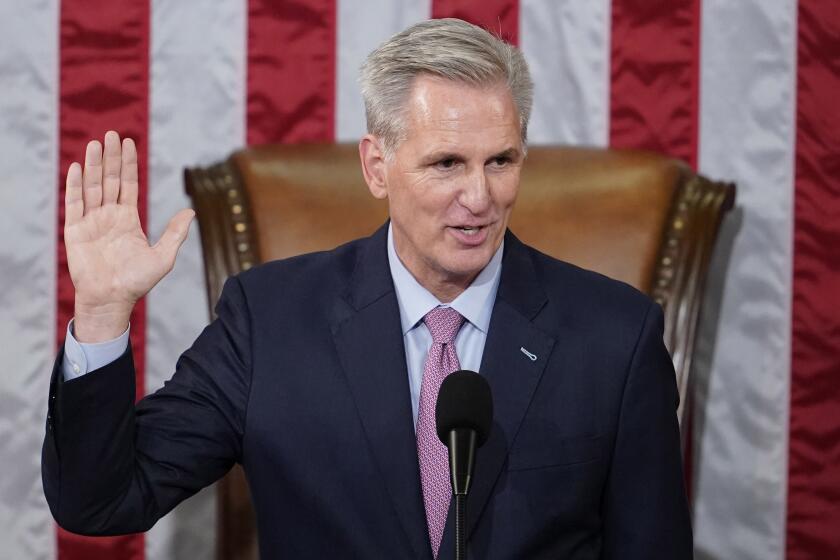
[(475, 303)]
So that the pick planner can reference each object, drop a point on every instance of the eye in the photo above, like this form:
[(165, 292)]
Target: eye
[(447, 163), (501, 161)]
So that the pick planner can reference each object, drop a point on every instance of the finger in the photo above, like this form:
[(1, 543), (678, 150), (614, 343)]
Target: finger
[(111, 163), (128, 173), (174, 235), (92, 179), (74, 208)]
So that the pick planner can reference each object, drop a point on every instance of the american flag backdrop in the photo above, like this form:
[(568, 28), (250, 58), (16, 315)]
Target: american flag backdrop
[(745, 90)]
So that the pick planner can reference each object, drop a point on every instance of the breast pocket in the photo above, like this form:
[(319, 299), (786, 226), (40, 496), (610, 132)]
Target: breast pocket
[(536, 453)]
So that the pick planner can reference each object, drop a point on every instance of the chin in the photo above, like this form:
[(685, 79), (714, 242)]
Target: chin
[(469, 264)]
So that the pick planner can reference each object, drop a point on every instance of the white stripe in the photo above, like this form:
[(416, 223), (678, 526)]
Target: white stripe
[(361, 27), (747, 132), (567, 46), (197, 116), (28, 165)]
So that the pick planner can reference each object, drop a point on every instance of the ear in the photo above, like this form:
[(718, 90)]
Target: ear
[(373, 165)]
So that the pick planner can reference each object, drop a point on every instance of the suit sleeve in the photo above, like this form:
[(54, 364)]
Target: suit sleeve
[(112, 467), (645, 505)]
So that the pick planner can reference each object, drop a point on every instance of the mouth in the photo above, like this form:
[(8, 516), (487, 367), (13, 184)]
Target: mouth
[(470, 235)]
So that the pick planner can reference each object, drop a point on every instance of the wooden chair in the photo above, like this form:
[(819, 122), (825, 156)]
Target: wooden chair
[(639, 217)]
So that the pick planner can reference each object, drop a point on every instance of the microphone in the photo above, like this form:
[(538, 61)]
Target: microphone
[(463, 416)]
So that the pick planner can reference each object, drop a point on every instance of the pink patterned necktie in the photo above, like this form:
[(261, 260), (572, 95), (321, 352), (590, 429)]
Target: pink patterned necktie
[(443, 323)]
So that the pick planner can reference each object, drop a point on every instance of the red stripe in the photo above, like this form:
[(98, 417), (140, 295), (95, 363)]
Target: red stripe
[(654, 76), (813, 506), (104, 84), (291, 71), (501, 17), (655, 92)]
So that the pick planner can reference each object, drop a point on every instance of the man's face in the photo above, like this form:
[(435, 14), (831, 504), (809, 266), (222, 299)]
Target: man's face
[(452, 182)]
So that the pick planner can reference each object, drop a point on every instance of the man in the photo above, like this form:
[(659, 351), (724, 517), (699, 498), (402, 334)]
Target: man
[(321, 372)]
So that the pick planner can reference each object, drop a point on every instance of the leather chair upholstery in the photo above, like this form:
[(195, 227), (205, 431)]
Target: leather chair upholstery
[(639, 217)]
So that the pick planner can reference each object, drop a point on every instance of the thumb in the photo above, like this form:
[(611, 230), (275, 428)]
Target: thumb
[(174, 235)]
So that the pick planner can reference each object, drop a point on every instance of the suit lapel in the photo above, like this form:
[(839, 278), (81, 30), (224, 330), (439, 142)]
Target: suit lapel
[(368, 339), (512, 374)]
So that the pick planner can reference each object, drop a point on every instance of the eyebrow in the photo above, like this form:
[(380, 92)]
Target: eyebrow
[(510, 153), (435, 157)]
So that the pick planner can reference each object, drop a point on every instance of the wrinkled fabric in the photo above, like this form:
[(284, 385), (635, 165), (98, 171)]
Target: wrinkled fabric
[(813, 507), (291, 71), (567, 46), (287, 71), (500, 17), (103, 85), (28, 166), (742, 374), (653, 88), (357, 34), (197, 117)]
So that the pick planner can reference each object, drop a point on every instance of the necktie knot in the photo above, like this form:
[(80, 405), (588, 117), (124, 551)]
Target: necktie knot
[(444, 324)]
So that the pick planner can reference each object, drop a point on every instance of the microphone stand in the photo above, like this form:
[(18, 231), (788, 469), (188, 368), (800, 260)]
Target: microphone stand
[(460, 524), (462, 444)]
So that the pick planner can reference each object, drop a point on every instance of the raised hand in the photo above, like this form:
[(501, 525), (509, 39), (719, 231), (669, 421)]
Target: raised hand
[(111, 262)]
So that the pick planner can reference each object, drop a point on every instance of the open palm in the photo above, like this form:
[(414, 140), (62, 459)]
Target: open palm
[(111, 262)]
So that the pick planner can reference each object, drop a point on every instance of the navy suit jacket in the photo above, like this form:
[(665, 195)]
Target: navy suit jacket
[(302, 379)]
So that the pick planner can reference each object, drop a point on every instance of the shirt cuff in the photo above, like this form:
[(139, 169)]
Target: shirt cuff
[(82, 357)]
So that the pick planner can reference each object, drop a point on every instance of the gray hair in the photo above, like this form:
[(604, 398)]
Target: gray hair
[(448, 48)]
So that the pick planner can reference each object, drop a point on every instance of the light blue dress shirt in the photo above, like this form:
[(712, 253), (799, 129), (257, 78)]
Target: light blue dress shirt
[(82, 357), (475, 304)]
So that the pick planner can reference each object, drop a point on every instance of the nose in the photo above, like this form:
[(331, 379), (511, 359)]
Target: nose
[(475, 192)]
